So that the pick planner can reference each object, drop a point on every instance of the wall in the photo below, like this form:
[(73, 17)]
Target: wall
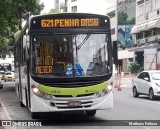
[(8, 60), (124, 35)]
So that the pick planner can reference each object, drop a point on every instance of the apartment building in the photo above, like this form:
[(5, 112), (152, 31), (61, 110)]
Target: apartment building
[(127, 6), (147, 32), (147, 25)]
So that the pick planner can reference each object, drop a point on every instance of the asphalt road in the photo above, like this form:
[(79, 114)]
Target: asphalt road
[(126, 109)]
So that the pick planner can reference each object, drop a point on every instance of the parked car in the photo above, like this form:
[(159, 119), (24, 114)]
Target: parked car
[(8, 76), (2, 70), (1, 85), (147, 83)]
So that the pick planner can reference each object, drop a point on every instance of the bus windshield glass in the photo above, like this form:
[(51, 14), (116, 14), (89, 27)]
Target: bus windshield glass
[(78, 55)]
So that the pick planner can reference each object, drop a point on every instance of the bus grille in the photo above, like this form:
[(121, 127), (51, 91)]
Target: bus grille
[(72, 84), (86, 101), (64, 105)]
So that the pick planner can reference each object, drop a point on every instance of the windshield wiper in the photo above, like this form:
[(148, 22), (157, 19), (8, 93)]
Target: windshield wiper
[(84, 40), (58, 40)]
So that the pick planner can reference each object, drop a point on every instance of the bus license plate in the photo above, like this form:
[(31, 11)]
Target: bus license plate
[(74, 103)]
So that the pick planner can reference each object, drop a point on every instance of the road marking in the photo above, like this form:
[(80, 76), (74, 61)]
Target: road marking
[(5, 110), (7, 114)]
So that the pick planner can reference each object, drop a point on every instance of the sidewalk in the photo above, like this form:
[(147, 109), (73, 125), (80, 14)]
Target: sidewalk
[(124, 81), (3, 116)]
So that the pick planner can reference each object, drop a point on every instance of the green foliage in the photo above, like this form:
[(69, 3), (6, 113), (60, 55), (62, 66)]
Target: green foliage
[(122, 19), (3, 46), (135, 67), (54, 11), (13, 12), (111, 14)]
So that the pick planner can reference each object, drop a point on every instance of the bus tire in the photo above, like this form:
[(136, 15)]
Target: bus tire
[(34, 115), (91, 113), (26, 97), (21, 104)]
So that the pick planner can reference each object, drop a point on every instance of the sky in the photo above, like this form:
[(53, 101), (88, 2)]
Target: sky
[(49, 4)]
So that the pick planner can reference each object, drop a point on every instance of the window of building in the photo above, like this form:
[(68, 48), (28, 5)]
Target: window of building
[(156, 31), (140, 9), (156, 4), (148, 6), (74, 9), (139, 35), (148, 34)]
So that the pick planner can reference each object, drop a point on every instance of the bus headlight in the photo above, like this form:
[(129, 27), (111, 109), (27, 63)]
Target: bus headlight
[(103, 92), (40, 94)]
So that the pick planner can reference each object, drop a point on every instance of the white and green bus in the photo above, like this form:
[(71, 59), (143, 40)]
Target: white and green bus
[(63, 62)]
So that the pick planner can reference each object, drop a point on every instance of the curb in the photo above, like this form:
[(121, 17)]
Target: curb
[(4, 115)]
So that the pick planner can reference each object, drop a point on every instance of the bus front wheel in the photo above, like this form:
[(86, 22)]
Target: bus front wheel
[(91, 113), (21, 104)]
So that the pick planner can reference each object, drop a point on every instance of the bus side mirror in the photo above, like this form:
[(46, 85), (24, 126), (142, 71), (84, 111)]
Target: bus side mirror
[(115, 53)]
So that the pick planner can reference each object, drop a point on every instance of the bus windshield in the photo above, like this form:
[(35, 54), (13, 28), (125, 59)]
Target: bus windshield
[(78, 55)]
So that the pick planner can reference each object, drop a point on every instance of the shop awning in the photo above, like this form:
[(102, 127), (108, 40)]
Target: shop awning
[(134, 29), (139, 28), (146, 26), (142, 27), (153, 24)]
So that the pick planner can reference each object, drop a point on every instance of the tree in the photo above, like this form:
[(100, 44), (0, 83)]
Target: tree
[(54, 11), (13, 12), (111, 14), (122, 19), (135, 67)]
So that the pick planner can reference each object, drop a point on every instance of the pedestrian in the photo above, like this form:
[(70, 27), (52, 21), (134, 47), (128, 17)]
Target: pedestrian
[(9, 67)]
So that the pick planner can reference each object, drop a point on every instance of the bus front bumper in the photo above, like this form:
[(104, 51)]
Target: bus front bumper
[(61, 104)]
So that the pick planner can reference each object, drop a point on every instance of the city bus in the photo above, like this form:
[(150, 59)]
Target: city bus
[(64, 62)]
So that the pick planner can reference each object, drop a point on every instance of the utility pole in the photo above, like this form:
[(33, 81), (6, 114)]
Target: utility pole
[(116, 12), (116, 32)]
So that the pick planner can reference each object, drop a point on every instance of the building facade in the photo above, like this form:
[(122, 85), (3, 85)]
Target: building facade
[(127, 6), (147, 32), (147, 25)]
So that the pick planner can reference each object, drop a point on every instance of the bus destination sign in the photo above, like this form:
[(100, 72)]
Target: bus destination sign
[(69, 21), (54, 23)]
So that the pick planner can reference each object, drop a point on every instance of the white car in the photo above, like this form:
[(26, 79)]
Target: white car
[(8, 76), (147, 83)]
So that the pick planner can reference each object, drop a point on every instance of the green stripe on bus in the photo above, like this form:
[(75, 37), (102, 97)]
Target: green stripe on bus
[(73, 91)]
